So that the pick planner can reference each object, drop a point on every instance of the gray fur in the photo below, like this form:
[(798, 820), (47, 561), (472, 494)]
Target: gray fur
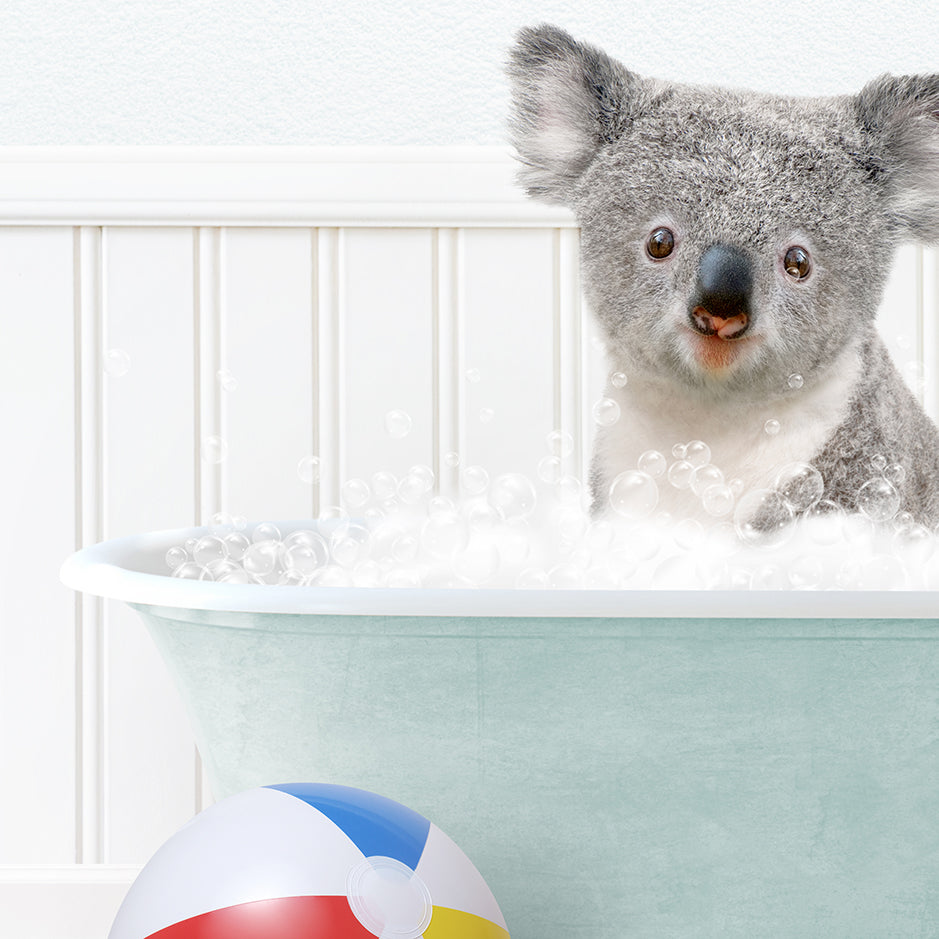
[(849, 177)]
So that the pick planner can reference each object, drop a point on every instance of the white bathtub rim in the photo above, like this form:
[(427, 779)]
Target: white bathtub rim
[(109, 569)]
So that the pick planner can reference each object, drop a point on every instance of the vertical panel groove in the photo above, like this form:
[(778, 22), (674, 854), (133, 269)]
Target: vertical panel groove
[(208, 404), (315, 435), (447, 355), (330, 363), (207, 364), (91, 782)]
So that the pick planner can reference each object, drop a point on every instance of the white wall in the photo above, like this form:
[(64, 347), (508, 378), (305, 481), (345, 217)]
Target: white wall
[(423, 72)]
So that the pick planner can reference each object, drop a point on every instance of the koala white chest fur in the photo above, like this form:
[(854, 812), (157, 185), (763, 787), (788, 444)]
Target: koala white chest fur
[(749, 441), (730, 240)]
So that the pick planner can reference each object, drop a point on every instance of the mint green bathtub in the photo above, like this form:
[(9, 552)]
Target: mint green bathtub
[(651, 764)]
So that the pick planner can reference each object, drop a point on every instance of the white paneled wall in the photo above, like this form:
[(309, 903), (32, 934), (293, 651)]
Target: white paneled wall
[(326, 288)]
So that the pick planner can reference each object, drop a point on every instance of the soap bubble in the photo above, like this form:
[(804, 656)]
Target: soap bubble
[(569, 522), (903, 520), (265, 531), (549, 469), (618, 379), (825, 523), (762, 517), (221, 568), (473, 375), (878, 499), (445, 534), (261, 557), (652, 463), (405, 549), (116, 363), (680, 473), (679, 572), (397, 423), (515, 540), (895, 473), (795, 381), (688, 534), (349, 543), (411, 489), (606, 412), (480, 515), (569, 489), (697, 453), (474, 480), (329, 576), (678, 451), (883, 572), (308, 469), (451, 459), (305, 552), (403, 579), (188, 571), (772, 427), (226, 380), (486, 415), (633, 495), (566, 577), (221, 523), (801, 485), (915, 542), (355, 493), (290, 578), (478, 562), (532, 578), (440, 504), (806, 572), (718, 500), (214, 449), (238, 575), (236, 544), (560, 443), (175, 557), (425, 474), (512, 495), (209, 548), (384, 485), (704, 477), (879, 463), (769, 577)]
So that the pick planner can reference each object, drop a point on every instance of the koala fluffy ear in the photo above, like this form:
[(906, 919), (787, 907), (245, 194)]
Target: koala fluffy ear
[(568, 100), (901, 116)]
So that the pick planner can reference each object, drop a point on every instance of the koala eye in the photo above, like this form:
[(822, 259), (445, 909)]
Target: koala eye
[(797, 263), (660, 244)]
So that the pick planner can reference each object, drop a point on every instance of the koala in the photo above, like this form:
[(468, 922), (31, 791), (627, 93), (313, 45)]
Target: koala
[(734, 248)]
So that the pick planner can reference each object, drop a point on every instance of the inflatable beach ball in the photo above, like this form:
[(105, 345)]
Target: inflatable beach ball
[(309, 861)]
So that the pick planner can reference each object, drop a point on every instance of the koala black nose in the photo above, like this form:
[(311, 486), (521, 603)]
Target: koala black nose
[(721, 304)]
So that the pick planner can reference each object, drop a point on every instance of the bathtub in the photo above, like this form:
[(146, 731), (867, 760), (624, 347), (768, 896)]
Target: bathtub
[(616, 763)]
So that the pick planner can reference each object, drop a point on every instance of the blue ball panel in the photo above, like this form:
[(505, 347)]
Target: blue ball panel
[(376, 825)]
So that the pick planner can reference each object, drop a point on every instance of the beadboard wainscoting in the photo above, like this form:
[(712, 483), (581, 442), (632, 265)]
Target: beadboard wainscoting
[(256, 307)]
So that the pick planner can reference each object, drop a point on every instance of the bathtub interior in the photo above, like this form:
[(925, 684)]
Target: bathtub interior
[(692, 768)]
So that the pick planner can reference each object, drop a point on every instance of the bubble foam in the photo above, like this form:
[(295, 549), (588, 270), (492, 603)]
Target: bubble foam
[(511, 530)]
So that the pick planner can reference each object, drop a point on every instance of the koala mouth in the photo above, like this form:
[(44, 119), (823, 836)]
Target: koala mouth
[(726, 328), (717, 342)]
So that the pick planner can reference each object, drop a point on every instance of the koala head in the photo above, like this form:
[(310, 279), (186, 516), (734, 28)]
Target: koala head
[(729, 239)]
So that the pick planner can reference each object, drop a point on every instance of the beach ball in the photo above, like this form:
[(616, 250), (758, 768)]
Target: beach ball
[(309, 861)]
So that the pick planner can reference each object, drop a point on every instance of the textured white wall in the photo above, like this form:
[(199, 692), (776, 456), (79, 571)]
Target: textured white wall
[(422, 72)]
